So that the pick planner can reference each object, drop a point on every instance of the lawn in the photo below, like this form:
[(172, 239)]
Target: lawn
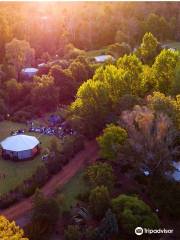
[(16, 173), (72, 189)]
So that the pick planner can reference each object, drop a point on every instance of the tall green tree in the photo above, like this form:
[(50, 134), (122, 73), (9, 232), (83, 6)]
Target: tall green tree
[(164, 70), (64, 80), (92, 106), (148, 48), (44, 217), (111, 141), (100, 174), (44, 94), (133, 68), (19, 54), (158, 26)]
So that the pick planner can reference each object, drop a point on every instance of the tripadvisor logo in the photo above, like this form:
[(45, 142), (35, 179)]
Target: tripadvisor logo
[(139, 231)]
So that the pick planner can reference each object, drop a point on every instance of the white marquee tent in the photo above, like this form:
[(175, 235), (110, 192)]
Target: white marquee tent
[(20, 146)]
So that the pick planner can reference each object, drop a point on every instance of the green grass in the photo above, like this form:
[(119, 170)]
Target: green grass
[(71, 190), (17, 172)]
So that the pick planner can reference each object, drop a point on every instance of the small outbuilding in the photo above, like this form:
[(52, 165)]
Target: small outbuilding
[(103, 58), (20, 147), (28, 73)]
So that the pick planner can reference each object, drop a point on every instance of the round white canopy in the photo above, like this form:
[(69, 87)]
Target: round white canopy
[(19, 143)]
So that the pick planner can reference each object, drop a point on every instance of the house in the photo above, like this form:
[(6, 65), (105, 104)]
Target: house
[(28, 73)]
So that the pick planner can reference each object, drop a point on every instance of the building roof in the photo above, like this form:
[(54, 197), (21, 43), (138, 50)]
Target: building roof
[(103, 58), (30, 70), (19, 143)]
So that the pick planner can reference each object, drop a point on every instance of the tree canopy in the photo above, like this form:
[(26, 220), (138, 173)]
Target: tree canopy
[(132, 212), (9, 230), (111, 141), (148, 48)]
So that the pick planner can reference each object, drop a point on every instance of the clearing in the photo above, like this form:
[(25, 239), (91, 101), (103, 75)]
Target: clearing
[(17, 172)]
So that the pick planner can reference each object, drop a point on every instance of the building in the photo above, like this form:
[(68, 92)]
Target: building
[(103, 58), (20, 147), (28, 73)]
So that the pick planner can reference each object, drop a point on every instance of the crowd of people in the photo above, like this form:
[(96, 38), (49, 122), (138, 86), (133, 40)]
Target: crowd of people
[(58, 131), (55, 127)]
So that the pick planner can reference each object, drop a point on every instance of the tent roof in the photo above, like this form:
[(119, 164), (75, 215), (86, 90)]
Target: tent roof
[(30, 70), (19, 143)]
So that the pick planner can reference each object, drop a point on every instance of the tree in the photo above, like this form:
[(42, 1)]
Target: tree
[(79, 71), (158, 26), (133, 69), (176, 86), (131, 64), (167, 105), (9, 230), (108, 226), (119, 50), (13, 92), (92, 106), (132, 212), (149, 82), (111, 141), (5, 33), (99, 201), (164, 70), (72, 233), (63, 79), (100, 174), (19, 54), (150, 139), (45, 215), (116, 82), (44, 94), (148, 48), (120, 37)]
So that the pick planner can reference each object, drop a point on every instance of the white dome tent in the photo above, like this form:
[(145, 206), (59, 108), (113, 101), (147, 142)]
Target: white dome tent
[(20, 147)]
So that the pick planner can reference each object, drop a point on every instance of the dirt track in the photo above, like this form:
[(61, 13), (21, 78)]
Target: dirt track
[(84, 157)]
